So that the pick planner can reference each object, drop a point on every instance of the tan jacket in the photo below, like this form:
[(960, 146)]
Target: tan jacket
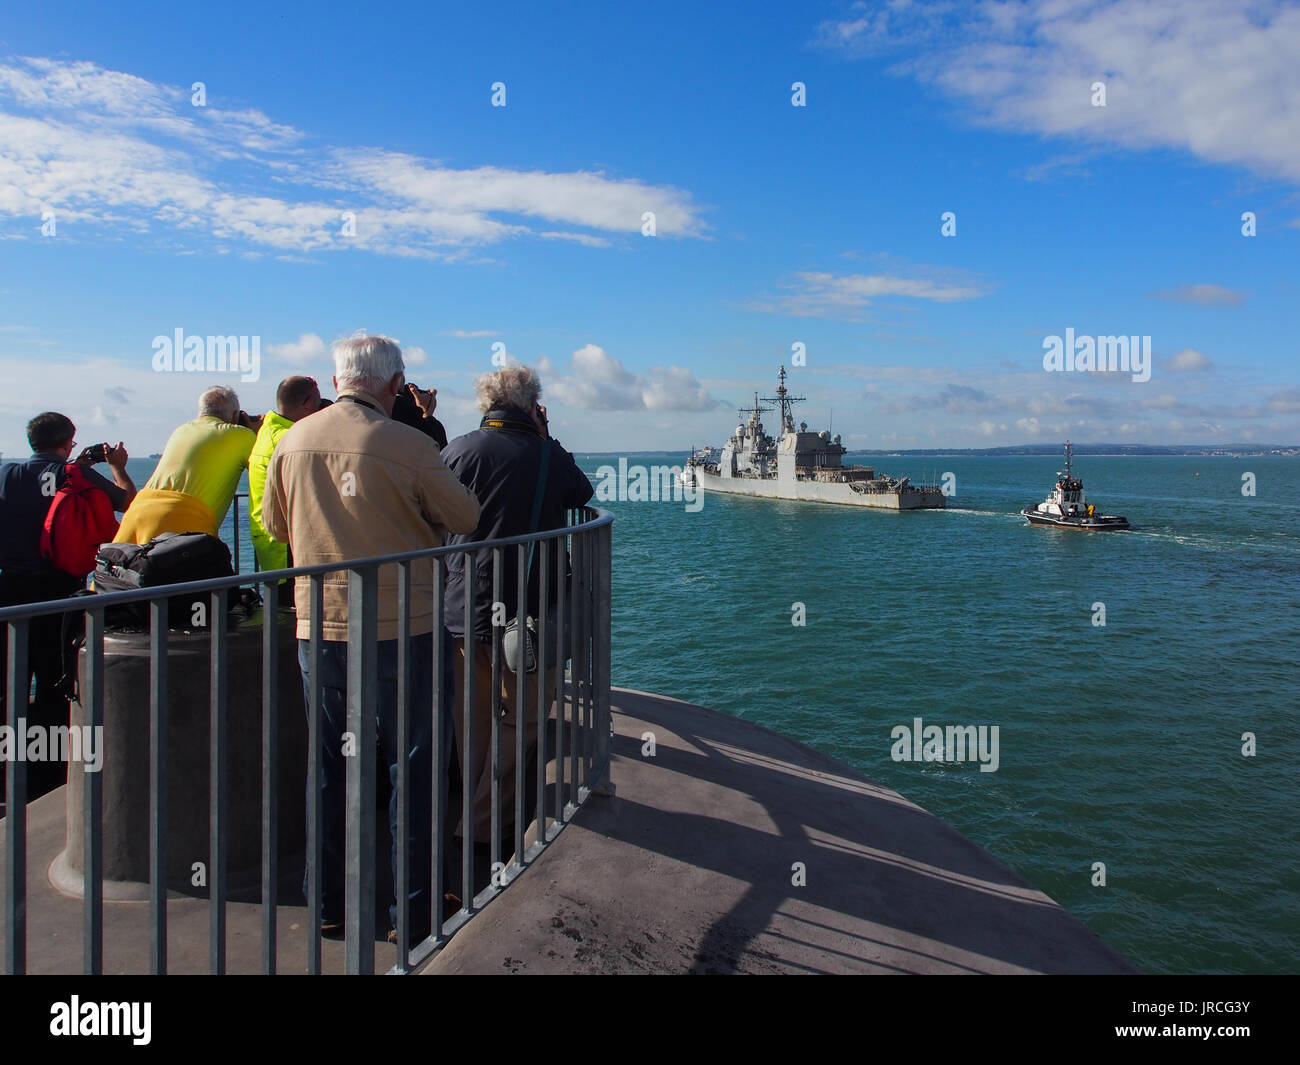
[(348, 483)]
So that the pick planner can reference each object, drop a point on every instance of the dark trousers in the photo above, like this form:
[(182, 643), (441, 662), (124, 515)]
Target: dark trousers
[(334, 700), (44, 665)]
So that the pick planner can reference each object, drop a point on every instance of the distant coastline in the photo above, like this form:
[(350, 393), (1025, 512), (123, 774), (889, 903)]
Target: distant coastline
[(1112, 450), (1038, 450)]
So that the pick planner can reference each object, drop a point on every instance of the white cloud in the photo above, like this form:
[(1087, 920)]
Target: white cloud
[(599, 381), (1204, 295), (109, 151), (1286, 402), (815, 294), (1215, 78), (306, 349), (1189, 360), (414, 356)]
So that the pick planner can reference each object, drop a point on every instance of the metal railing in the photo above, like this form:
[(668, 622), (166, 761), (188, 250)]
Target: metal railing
[(574, 560)]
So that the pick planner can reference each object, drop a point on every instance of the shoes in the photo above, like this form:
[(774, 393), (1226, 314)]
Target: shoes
[(450, 907), (331, 929)]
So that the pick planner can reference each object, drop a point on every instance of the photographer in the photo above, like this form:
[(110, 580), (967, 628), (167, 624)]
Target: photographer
[(196, 478), (27, 491)]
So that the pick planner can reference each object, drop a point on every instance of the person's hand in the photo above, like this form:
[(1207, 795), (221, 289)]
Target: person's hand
[(117, 456), (425, 398), (250, 421), (539, 419)]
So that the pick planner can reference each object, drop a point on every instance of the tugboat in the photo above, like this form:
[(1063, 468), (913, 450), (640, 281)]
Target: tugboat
[(1067, 508), (798, 464)]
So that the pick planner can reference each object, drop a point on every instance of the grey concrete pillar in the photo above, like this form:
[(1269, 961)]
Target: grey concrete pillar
[(125, 769)]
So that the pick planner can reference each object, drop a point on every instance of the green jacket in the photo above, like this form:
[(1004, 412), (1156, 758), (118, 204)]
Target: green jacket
[(271, 554)]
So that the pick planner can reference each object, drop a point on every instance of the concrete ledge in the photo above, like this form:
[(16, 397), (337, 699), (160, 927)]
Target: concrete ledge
[(688, 869)]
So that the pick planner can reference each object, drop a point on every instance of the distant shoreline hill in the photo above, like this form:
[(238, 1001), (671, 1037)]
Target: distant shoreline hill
[(1038, 450), (1226, 450)]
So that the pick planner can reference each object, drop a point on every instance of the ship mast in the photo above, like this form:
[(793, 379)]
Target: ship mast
[(1067, 458), (786, 402)]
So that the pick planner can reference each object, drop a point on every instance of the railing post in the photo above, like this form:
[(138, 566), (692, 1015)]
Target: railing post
[(363, 669), (315, 836), (158, 786), (93, 804), (438, 753), (402, 886), (15, 911), (494, 755), (470, 574), (218, 682), (270, 770), (234, 530), (604, 724)]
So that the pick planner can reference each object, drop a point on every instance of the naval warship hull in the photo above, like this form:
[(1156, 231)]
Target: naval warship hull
[(844, 494)]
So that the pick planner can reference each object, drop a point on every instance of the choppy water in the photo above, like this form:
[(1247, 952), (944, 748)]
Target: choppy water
[(1119, 744)]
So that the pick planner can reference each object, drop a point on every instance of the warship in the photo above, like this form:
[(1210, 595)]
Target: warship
[(1068, 508), (798, 464)]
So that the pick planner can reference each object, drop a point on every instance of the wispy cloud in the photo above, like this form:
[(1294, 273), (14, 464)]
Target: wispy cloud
[(1189, 360), (1205, 295), (1215, 78), (816, 294), (109, 152)]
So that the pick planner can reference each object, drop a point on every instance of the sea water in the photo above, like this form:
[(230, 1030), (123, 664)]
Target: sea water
[(1120, 743)]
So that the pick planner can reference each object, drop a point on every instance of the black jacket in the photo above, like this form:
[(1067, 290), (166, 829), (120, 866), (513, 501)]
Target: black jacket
[(407, 411), (501, 466)]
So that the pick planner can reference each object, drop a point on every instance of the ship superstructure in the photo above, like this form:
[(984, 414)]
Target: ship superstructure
[(798, 464)]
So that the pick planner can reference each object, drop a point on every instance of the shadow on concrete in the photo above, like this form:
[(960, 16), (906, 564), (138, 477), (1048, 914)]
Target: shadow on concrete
[(893, 884)]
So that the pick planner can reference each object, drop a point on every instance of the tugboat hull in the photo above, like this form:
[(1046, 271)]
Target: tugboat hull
[(1098, 523)]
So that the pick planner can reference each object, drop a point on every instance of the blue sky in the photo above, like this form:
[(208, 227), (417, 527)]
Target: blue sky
[(774, 224)]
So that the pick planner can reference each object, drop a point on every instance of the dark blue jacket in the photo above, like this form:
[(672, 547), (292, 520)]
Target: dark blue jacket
[(500, 466)]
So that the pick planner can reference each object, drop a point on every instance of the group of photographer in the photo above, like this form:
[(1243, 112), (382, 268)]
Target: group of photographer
[(370, 474)]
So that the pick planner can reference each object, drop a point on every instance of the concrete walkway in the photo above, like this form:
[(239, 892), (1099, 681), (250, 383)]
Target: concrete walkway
[(689, 870)]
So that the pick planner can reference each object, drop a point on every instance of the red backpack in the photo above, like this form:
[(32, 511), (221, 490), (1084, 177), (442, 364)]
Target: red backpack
[(78, 521)]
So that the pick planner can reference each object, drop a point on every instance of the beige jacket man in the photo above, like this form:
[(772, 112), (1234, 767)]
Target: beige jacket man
[(350, 483)]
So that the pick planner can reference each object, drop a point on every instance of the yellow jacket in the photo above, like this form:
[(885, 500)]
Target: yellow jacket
[(193, 483)]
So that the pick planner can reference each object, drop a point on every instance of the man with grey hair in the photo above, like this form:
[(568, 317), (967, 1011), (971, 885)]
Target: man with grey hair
[(350, 482), (220, 402), (526, 482), (195, 480)]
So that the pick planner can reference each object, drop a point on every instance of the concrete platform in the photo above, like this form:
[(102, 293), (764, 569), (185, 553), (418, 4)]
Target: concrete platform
[(688, 869)]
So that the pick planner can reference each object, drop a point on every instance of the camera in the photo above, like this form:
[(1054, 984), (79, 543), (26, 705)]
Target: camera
[(95, 453)]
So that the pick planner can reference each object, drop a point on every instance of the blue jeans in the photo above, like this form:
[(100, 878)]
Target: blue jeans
[(334, 704)]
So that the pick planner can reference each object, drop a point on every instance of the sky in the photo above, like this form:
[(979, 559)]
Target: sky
[(656, 206)]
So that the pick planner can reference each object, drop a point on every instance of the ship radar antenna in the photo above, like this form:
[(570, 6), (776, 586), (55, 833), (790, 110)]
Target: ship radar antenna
[(785, 401)]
